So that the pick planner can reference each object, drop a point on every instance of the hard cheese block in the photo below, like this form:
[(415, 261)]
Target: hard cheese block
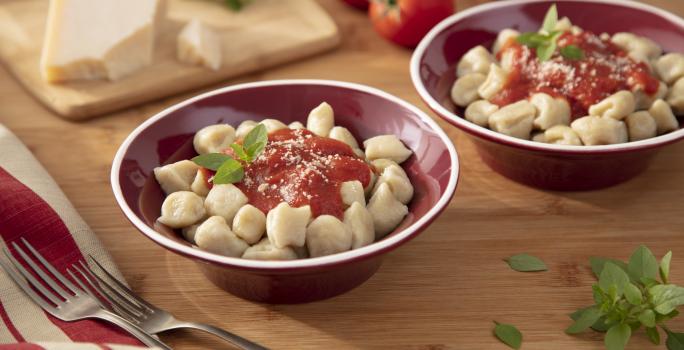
[(263, 34), (199, 44), (93, 39)]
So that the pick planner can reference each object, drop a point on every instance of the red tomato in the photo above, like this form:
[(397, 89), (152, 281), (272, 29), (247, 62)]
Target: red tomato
[(359, 4), (406, 22)]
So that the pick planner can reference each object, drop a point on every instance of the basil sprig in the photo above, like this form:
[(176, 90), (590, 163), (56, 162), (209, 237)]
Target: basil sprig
[(628, 296), (545, 42), (228, 169)]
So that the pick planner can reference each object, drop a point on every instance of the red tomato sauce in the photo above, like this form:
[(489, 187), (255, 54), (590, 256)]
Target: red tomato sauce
[(301, 168), (604, 70)]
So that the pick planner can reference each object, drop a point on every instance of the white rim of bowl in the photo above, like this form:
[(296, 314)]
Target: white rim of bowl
[(498, 137), (292, 264)]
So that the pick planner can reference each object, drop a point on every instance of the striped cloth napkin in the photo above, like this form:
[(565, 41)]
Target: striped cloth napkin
[(32, 206)]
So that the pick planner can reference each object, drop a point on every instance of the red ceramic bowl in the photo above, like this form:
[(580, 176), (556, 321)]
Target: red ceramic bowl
[(547, 166), (167, 137)]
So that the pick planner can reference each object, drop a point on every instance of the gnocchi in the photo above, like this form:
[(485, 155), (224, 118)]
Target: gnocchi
[(302, 195), (513, 91)]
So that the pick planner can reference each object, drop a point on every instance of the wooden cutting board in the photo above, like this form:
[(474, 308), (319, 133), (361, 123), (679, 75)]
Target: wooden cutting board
[(264, 34)]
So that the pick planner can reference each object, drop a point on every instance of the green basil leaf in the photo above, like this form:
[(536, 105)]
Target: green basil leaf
[(230, 172), (642, 263), (572, 52), (633, 294), (526, 263), (597, 264), (588, 318), (240, 152), (653, 335), (256, 140), (508, 335), (649, 282), (235, 5), (546, 50), (598, 294), (675, 341), (211, 160), (666, 297), (662, 318), (532, 39), (618, 337), (600, 325), (613, 280), (665, 267), (551, 19), (647, 318)]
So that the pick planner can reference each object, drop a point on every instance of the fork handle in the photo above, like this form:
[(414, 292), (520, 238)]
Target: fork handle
[(234, 339), (135, 331)]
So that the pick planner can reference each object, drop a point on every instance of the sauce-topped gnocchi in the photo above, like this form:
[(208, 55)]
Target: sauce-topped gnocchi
[(583, 89), (310, 190)]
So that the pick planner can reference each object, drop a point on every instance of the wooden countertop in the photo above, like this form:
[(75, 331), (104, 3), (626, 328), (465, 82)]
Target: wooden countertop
[(440, 291)]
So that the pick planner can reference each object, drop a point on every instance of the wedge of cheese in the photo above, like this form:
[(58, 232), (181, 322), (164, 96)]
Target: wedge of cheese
[(99, 39), (199, 44)]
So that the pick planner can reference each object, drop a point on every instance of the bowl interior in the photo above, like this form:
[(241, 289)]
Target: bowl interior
[(437, 66), (168, 138)]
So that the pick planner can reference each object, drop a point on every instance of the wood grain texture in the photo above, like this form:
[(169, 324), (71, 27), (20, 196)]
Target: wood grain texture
[(441, 290), (267, 33)]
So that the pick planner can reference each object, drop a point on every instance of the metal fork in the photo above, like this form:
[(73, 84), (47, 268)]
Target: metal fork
[(150, 318), (72, 305)]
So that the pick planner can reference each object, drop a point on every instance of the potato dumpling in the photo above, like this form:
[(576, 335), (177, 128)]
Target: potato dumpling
[(663, 116), (562, 135), (264, 250), (272, 125), (244, 128), (594, 130), (464, 90), (352, 191), (670, 67), (514, 120), (644, 100), (177, 176), (675, 97), (640, 126), (189, 233), (380, 164), (503, 37), (476, 60), (397, 180), (249, 223), (343, 134), (617, 106), (635, 43), (550, 111), (321, 120), (213, 138), (200, 184), (214, 235), (360, 221), (387, 147), (224, 200), (286, 226), (386, 210), (296, 125), (539, 137), (479, 112), (327, 235), (496, 79), (181, 209)]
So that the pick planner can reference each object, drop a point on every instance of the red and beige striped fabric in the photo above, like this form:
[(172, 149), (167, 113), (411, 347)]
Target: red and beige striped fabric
[(33, 207)]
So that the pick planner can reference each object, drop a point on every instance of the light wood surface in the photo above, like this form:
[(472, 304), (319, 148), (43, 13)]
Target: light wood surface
[(267, 33), (441, 290)]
